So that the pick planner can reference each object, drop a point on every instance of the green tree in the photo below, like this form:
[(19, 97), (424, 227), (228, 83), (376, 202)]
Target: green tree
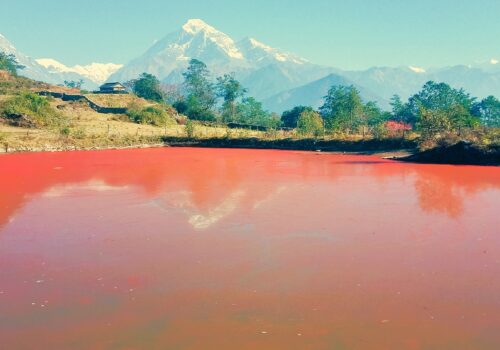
[(373, 117), (147, 86), (488, 110), (342, 108), (432, 123), (310, 123), (9, 63), (230, 90), (74, 84), (399, 110), (250, 112), (461, 117), (290, 118), (199, 91), (436, 97)]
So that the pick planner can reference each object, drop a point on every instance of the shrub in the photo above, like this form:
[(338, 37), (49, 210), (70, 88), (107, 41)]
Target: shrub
[(31, 110), (79, 134), (290, 118), (190, 128), (395, 128), (65, 131), (153, 115), (380, 131), (310, 123), (181, 119)]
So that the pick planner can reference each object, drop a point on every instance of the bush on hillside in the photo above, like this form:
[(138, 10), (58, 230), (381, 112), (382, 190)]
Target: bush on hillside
[(31, 110), (153, 115)]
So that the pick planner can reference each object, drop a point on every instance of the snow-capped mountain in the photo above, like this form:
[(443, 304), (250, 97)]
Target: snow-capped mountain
[(54, 72), (260, 54), (248, 58), (289, 79), (31, 68), (195, 39), (97, 72)]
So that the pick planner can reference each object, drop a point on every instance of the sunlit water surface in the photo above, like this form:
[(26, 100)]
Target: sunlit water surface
[(246, 249)]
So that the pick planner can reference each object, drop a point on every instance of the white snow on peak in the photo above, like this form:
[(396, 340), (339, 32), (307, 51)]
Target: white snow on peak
[(6, 45), (256, 43), (197, 26), (52, 64), (272, 52), (494, 61), (194, 26), (97, 72), (418, 70)]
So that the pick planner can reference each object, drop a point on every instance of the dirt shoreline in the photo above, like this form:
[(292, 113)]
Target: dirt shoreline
[(387, 147), (397, 149)]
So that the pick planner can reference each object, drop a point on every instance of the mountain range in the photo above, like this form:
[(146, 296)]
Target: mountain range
[(278, 78), (54, 72)]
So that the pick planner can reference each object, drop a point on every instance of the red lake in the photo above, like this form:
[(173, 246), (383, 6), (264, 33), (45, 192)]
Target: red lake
[(185, 248)]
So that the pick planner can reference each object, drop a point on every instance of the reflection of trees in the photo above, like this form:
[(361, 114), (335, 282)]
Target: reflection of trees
[(213, 180), (445, 189), (440, 188), (435, 195)]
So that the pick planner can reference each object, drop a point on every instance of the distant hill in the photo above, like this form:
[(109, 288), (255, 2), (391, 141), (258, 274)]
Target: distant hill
[(312, 94)]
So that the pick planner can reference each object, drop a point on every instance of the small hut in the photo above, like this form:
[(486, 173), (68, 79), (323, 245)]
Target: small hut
[(113, 88)]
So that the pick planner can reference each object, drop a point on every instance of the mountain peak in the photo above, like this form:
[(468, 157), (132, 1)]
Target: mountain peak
[(255, 43), (195, 25), (261, 52)]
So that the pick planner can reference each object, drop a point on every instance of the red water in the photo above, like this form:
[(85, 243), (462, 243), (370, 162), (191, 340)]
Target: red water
[(245, 249)]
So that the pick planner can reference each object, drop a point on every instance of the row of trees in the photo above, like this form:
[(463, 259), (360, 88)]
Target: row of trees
[(435, 109), (343, 110), (453, 108), (199, 98), (225, 100)]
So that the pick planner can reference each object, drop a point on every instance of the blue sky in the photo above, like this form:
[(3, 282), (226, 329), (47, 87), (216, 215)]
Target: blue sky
[(351, 34)]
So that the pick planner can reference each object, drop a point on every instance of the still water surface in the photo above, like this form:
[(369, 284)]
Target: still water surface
[(246, 249)]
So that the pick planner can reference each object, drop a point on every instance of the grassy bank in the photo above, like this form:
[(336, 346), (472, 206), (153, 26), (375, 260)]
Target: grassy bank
[(324, 145), (107, 132), (31, 124)]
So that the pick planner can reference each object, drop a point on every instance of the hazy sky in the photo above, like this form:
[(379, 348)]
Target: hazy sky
[(349, 34)]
